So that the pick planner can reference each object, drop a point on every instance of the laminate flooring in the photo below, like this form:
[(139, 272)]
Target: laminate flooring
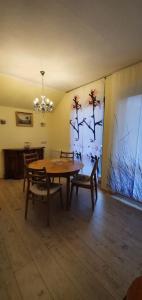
[(81, 256)]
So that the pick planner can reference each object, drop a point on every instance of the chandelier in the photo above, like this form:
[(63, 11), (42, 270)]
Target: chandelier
[(44, 104)]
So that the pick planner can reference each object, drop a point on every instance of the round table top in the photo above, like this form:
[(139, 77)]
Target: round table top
[(58, 166)]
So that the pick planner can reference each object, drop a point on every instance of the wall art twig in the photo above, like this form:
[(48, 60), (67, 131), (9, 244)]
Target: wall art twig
[(75, 123), (94, 102)]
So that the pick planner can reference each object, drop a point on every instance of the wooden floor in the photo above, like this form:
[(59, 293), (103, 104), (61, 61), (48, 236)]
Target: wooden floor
[(82, 256)]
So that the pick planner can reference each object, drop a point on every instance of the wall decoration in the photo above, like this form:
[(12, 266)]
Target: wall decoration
[(87, 127), (42, 124), (92, 123), (27, 145), (24, 119), (2, 121), (75, 123)]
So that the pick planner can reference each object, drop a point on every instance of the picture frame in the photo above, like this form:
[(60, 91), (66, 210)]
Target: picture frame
[(24, 119)]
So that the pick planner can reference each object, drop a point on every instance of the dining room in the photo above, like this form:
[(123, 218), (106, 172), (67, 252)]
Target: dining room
[(70, 150)]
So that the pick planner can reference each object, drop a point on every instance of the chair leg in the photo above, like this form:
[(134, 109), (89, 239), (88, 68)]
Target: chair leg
[(96, 188), (92, 197), (71, 192), (26, 205), (77, 191), (33, 200), (61, 199), (24, 183), (48, 211)]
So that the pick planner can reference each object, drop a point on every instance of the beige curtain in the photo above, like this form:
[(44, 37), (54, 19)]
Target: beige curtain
[(123, 92)]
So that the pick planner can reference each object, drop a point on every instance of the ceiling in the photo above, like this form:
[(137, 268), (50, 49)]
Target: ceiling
[(75, 42)]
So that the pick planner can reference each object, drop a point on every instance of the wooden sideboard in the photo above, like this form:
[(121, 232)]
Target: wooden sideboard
[(14, 161)]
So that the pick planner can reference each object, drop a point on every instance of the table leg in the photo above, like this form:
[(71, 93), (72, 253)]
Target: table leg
[(68, 193)]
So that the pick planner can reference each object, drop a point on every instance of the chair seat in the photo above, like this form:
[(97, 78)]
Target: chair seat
[(81, 179), (40, 186), (41, 189)]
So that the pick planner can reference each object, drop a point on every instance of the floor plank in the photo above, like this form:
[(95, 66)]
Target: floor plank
[(80, 256)]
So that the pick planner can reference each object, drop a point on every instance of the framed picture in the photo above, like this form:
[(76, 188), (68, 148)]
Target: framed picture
[(24, 119)]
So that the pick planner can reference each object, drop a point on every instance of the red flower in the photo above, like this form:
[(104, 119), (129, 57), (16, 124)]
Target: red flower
[(76, 104), (93, 100)]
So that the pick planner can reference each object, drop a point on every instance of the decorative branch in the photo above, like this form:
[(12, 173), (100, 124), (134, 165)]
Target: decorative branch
[(76, 106), (78, 155), (84, 120), (100, 123), (73, 126), (94, 102)]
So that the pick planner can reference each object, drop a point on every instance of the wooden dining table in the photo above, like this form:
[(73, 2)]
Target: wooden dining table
[(135, 290), (60, 167)]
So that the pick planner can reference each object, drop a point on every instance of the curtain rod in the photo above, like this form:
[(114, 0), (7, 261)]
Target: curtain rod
[(104, 77)]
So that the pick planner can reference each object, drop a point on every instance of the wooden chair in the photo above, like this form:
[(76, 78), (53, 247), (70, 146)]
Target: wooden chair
[(87, 182), (69, 155), (28, 158), (40, 188), (135, 290)]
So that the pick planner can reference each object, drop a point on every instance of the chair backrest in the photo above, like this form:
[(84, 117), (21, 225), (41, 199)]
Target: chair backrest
[(30, 157), (95, 168), (37, 176), (69, 155), (78, 156)]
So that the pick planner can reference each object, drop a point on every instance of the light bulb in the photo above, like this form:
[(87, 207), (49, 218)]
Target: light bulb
[(36, 101)]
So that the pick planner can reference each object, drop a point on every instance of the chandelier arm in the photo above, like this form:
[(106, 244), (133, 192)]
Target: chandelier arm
[(45, 105), (42, 84)]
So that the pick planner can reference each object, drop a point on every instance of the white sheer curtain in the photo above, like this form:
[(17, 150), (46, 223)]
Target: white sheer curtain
[(122, 154), (87, 124)]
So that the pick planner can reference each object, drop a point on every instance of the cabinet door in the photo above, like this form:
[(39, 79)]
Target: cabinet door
[(10, 164), (13, 164), (41, 153), (20, 165)]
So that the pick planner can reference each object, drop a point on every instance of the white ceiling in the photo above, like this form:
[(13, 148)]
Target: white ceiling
[(75, 42)]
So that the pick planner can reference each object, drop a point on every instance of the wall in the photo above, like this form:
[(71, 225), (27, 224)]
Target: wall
[(17, 92), (12, 136)]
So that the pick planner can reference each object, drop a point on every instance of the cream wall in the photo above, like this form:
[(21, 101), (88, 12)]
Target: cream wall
[(12, 136), (17, 92), (60, 129)]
